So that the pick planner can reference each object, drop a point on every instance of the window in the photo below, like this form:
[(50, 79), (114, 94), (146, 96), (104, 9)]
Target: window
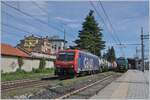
[(55, 47), (59, 48), (66, 56)]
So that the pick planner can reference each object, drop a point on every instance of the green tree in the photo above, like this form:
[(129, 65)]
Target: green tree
[(42, 63), (20, 62), (90, 37), (104, 55), (110, 55)]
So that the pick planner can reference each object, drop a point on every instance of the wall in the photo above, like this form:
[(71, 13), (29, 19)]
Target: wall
[(35, 54), (10, 64)]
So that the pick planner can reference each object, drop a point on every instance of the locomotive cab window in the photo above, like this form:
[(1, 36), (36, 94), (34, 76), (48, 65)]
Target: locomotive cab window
[(66, 56)]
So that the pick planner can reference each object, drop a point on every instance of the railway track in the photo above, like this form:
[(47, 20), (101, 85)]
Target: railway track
[(83, 88), (54, 88), (13, 85), (67, 91), (90, 90)]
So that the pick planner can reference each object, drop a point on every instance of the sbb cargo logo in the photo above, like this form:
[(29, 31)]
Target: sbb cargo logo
[(88, 63)]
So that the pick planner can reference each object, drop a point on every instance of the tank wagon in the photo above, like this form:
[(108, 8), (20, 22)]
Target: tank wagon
[(105, 65), (113, 65), (74, 62)]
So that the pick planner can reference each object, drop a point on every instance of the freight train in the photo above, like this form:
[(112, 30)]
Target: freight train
[(76, 62)]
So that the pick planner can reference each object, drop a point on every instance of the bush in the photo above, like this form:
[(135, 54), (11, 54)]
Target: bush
[(48, 70), (36, 70), (33, 70), (20, 71), (20, 62), (1, 71), (45, 70), (105, 68), (42, 63)]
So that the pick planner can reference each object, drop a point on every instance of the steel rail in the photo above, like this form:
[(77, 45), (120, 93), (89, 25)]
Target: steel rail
[(83, 88), (12, 85)]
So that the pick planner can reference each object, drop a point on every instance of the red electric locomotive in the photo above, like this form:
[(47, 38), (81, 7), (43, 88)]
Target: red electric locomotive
[(73, 62)]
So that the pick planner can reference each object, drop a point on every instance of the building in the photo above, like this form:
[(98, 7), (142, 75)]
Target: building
[(135, 63), (56, 44), (10, 55), (8, 50), (35, 44), (38, 54), (45, 45)]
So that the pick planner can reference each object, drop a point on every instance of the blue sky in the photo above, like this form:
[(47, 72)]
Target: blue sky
[(126, 17)]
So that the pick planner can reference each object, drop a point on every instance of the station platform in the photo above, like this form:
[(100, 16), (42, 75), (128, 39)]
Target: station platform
[(133, 84)]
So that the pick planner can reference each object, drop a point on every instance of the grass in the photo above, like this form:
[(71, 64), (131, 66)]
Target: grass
[(20, 74)]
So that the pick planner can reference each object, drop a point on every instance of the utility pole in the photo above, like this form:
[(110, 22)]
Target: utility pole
[(142, 49), (64, 39), (136, 52)]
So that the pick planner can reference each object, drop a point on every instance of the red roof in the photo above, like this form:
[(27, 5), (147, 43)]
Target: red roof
[(7, 49)]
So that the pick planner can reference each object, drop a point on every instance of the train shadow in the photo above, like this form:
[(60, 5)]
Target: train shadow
[(54, 78), (66, 77), (50, 78)]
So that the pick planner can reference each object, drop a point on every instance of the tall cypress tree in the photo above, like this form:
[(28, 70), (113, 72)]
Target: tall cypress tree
[(113, 56), (110, 55), (90, 37)]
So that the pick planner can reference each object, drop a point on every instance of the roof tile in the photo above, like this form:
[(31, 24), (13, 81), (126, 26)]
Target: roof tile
[(7, 49)]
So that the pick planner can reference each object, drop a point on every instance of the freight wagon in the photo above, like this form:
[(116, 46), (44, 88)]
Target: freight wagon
[(73, 62), (105, 65)]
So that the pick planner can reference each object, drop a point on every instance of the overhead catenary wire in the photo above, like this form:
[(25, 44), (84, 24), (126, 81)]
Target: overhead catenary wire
[(106, 26), (37, 19), (34, 2), (11, 16), (16, 28), (65, 24), (20, 11), (102, 19), (109, 21), (113, 30), (22, 30), (16, 34), (131, 44)]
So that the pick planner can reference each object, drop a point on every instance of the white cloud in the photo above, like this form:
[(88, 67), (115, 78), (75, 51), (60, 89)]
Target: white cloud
[(74, 25), (38, 9), (35, 8), (65, 19)]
